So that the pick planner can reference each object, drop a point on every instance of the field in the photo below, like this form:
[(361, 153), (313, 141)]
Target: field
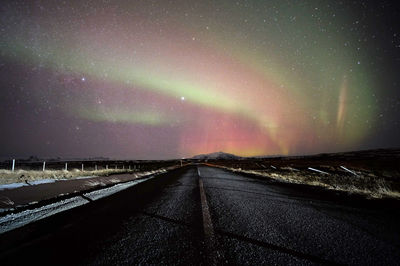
[(374, 173), (32, 171)]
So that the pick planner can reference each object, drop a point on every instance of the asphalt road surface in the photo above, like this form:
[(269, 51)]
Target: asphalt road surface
[(204, 215)]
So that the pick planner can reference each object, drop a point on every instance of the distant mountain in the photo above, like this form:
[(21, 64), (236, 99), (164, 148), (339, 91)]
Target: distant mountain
[(217, 155)]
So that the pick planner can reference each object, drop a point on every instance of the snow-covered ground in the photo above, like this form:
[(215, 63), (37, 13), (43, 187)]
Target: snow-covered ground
[(19, 219), (15, 220), (40, 181), (12, 185), (105, 192)]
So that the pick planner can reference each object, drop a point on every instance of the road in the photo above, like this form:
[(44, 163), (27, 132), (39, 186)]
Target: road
[(204, 215)]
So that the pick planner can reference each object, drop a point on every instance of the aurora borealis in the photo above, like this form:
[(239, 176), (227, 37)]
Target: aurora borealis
[(171, 79)]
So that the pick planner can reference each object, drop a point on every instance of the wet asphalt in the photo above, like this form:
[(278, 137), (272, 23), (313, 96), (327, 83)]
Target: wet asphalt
[(253, 222)]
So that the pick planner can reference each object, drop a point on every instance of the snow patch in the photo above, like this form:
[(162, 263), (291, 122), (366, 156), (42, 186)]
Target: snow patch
[(43, 181), (85, 177), (30, 183), (15, 220), (318, 171), (105, 192), (13, 185), (92, 183), (6, 201)]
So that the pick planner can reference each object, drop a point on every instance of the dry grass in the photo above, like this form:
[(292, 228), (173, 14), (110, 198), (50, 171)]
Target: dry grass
[(18, 176), (365, 183)]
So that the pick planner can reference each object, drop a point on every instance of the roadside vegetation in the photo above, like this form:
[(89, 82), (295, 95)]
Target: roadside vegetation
[(19, 176), (372, 173), (364, 183)]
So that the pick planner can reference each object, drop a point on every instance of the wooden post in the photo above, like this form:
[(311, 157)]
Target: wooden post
[(82, 167), (44, 165), (116, 167), (13, 165), (106, 166), (66, 166), (129, 167), (95, 167)]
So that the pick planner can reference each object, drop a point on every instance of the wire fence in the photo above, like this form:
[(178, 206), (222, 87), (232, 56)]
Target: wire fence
[(85, 165)]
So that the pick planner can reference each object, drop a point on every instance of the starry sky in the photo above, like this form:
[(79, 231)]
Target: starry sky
[(171, 79)]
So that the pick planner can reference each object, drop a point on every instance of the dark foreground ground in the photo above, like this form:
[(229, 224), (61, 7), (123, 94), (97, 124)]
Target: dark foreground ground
[(203, 215)]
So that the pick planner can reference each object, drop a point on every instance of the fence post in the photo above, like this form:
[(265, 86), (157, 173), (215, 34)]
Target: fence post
[(106, 166), (13, 165), (95, 167), (123, 167), (82, 167), (129, 167), (44, 165), (66, 166)]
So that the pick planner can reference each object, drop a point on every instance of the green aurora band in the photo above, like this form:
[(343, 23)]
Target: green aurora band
[(292, 83)]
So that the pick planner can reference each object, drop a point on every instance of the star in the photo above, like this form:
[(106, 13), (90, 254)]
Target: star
[(268, 77)]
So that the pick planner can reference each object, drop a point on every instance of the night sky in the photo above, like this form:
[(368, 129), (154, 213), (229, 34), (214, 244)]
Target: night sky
[(171, 79)]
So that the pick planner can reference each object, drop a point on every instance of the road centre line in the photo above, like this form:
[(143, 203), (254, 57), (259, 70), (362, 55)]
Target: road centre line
[(209, 236)]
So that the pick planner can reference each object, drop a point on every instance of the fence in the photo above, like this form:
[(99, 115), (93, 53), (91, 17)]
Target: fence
[(83, 165)]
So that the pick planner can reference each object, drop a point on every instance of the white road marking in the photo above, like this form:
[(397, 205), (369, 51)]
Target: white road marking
[(209, 236)]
